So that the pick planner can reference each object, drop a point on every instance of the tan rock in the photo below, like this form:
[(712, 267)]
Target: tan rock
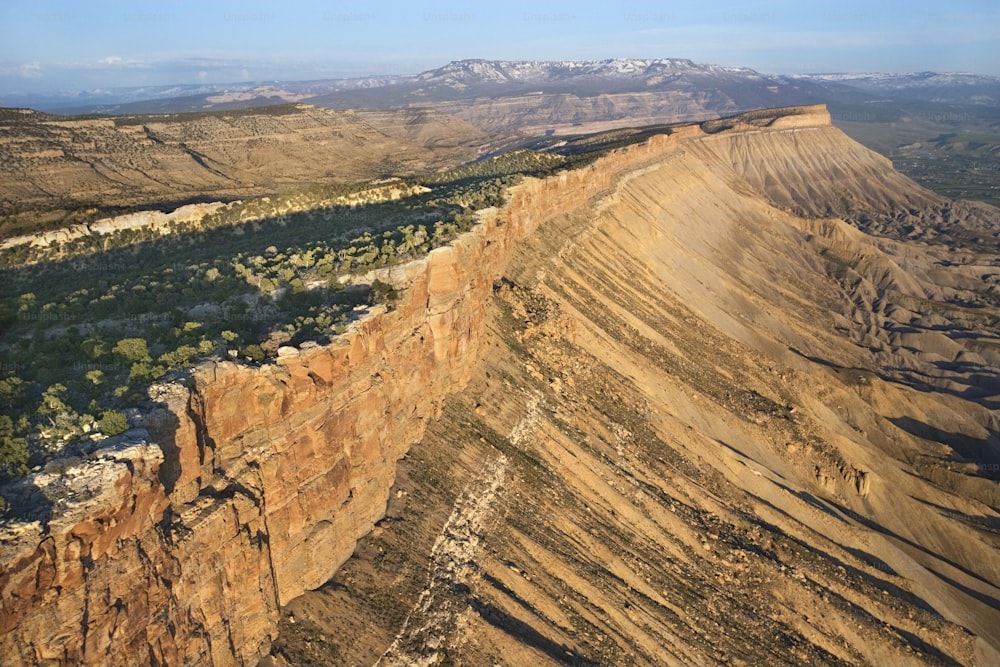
[(263, 479)]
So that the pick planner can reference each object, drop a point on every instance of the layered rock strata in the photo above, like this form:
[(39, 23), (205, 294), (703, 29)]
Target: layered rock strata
[(255, 483), (265, 477)]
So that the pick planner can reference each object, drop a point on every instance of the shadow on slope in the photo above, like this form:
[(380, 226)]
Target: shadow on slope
[(983, 452)]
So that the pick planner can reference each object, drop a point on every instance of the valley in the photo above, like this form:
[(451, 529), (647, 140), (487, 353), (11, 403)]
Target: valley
[(951, 149)]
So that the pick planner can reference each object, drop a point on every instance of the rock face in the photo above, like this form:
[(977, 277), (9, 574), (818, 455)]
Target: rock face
[(269, 475), (157, 220), (265, 478), (727, 435)]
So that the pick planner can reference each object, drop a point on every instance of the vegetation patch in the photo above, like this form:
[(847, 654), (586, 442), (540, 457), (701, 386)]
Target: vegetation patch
[(89, 323)]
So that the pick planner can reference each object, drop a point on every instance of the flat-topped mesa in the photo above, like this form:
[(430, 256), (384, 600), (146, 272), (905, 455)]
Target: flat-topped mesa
[(814, 115), (269, 475)]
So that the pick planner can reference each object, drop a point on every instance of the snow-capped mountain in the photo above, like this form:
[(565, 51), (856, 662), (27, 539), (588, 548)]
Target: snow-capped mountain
[(540, 71), (705, 87), (504, 96), (731, 88)]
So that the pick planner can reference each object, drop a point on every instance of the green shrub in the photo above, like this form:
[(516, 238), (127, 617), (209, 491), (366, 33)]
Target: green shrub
[(94, 348), (133, 350), (383, 292), (112, 423), (178, 358), (13, 451)]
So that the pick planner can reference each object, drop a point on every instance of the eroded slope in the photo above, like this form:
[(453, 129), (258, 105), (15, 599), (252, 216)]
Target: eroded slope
[(698, 437), (67, 163), (684, 427)]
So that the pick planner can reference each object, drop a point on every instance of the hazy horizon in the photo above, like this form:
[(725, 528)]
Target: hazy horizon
[(54, 47)]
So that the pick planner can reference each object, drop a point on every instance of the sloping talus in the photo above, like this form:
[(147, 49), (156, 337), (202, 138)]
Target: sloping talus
[(712, 444)]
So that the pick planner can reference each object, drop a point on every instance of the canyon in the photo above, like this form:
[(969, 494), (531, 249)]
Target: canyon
[(667, 408)]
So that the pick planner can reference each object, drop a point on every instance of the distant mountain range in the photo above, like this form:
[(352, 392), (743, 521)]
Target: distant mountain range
[(939, 128), (714, 88)]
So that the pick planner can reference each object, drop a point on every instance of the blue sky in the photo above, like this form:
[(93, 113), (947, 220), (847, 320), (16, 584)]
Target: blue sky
[(49, 46)]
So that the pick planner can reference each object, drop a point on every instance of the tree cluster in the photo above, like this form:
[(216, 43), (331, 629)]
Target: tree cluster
[(89, 325)]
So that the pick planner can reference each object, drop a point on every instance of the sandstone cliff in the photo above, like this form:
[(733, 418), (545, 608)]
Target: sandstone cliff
[(262, 480), (702, 431), (269, 475)]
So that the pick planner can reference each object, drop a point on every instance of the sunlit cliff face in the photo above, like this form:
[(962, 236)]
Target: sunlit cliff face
[(643, 414)]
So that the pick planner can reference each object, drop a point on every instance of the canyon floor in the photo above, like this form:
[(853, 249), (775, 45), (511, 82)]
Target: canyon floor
[(703, 430)]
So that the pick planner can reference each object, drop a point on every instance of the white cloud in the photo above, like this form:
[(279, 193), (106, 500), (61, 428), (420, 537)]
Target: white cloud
[(30, 70)]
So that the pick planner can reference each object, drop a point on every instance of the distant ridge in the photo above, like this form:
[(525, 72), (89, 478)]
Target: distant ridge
[(503, 76), (547, 70)]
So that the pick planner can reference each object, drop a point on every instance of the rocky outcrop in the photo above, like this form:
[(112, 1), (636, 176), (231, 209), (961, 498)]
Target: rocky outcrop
[(158, 221), (265, 477)]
